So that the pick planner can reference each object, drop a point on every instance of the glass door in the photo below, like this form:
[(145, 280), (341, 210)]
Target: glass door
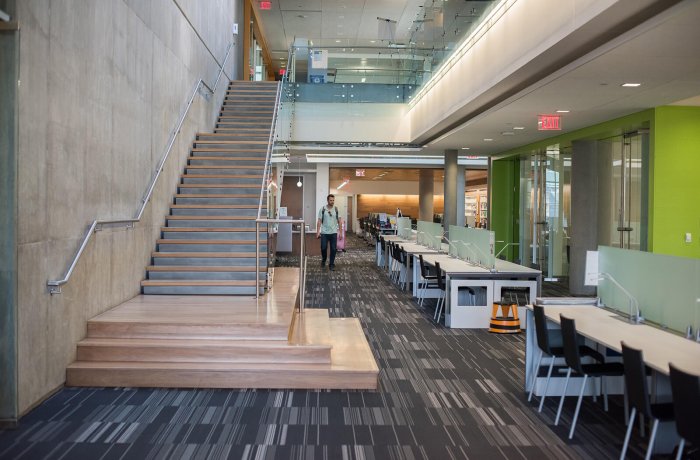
[(545, 212), (621, 176)]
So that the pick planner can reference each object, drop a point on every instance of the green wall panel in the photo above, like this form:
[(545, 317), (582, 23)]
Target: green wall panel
[(675, 181), (504, 196)]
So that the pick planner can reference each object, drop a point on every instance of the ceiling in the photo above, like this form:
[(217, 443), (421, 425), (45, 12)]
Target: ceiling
[(663, 54), (472, 177), (431, 24)]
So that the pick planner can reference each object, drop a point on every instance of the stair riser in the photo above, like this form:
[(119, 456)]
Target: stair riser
[(253, 212), (221, 354), (213, 235), (246, 171), (224, 180), (209, 276), (204, 190), (197, 223), (236, 133), (248, 153), (199, 290), (137, 330), (170, 247), (242, 125), (259, 165), (210, 261), (241, 145), (232, 379), (228, 201), (257, 101)]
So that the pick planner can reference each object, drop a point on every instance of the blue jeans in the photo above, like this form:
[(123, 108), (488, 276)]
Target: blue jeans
[(333, 240)]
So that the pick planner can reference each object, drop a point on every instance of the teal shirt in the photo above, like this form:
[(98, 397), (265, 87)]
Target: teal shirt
[(329, 220)]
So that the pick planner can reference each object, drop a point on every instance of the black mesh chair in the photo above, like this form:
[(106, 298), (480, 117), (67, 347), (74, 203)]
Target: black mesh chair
[(638, 397), (427, 280), (545, 337), (685, 388), (573, 360), (441, 285)]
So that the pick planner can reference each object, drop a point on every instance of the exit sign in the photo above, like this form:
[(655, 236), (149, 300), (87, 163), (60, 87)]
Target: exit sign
[(549, 122), (265, 5), (359, 173)]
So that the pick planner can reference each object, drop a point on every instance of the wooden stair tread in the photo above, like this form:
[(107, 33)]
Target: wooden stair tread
[(222, 176), (217, 185), (230, 142), (210, 149), (191, 268), (199, 255), (216, 195), (214, 206), (200, 282), (210, 229), (207, 241), (227, 158), (210, 218), (223, 342), (221, 167)]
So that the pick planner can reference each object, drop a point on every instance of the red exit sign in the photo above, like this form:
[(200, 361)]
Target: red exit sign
[(265, 5), (549, 122)]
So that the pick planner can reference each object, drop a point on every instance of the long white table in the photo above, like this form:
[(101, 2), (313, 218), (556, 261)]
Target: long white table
[(475, 312), (604, 327)]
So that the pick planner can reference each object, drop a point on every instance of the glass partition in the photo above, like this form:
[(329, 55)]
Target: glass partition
[(429, 234), (666, 287), (474, 245), (403, 227)]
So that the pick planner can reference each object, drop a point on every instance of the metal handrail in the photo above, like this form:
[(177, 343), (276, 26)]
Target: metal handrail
[(270, 143), (270, 140), (302, 253), (54, 286), (505, 247)]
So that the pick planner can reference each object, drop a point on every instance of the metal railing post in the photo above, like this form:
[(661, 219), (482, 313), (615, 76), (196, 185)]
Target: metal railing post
[(302, 275), (257, 259)]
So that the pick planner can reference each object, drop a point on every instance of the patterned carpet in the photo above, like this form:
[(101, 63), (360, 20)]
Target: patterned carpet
[(444, 394)]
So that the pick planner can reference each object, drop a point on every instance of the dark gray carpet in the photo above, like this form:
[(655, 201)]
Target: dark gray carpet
[(445, 394)]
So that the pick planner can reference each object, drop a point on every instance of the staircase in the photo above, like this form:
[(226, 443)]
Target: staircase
[(208, 243)]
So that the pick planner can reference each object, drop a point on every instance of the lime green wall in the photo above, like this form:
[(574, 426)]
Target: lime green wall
[(675, 181), (504, 195)]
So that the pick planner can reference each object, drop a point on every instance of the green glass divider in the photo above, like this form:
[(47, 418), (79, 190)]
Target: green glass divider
[(403, 227), (473, 244), (429, 234), (667, 288)]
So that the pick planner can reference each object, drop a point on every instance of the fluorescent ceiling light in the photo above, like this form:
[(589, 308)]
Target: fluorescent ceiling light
[(343, 184), (488, 139), (363, 80), (337, 41), (507, 133), (631, 85), (562, 111), (465, 148), (518, 127)]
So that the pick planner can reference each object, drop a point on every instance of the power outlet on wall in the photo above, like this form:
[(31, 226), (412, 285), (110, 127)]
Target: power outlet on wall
[(688, 237)]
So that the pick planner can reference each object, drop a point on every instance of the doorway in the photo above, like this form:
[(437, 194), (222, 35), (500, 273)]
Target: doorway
[(545, 210)]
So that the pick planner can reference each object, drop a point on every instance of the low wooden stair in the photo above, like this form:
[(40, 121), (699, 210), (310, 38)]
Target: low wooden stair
[(224, 342)]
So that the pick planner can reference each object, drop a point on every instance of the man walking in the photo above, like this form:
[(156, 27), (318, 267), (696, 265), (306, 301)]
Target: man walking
[(327, 229)]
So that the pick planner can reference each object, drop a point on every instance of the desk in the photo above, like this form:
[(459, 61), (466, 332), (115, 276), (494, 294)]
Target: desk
[(474, 312), (601, 326)]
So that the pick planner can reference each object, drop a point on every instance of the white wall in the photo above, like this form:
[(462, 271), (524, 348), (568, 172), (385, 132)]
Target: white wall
[(330, 122), (102, 86)]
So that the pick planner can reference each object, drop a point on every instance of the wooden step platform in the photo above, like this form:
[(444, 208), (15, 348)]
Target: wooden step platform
[(224, 342)]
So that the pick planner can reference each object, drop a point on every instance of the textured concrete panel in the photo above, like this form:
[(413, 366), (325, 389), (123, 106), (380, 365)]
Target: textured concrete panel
[(109, 79)]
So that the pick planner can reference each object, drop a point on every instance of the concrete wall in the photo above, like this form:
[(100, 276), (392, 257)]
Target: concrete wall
[(8, 206), (102, 85)]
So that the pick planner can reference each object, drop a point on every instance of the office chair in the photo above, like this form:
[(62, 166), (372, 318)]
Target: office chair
[(685, 388)]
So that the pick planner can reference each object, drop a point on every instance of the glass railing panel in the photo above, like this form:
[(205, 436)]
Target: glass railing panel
[(352, 93), (666, 287)]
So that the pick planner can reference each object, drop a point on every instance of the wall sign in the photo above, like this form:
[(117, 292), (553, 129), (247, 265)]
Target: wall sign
[(549, 122)]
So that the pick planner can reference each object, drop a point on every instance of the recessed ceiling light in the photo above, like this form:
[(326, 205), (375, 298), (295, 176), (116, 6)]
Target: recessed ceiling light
[(562, 111), (465, 148), (488, 139), (337, 41), (507, 133), (518, 127), (631, 85)]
